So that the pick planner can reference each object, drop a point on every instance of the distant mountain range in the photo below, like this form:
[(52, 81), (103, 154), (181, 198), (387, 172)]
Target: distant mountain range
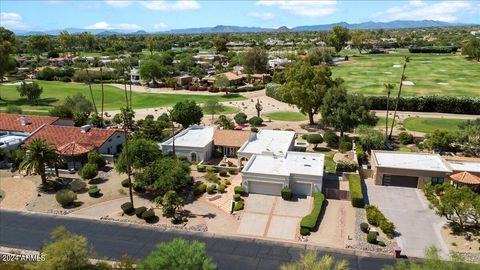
[(245, 29)]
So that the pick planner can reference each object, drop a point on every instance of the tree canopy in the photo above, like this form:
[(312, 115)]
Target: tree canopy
[(338, 37), (187, 113), (141, 152), (255, 60)]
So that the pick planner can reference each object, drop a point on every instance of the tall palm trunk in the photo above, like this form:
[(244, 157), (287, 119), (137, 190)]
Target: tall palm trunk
[(91, 92), (389, 88), (173, 133), (407, 59), (103, 93), (125, 90), (125, 130)]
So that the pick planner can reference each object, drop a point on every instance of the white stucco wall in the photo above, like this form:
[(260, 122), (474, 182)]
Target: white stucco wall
[(118, 138)]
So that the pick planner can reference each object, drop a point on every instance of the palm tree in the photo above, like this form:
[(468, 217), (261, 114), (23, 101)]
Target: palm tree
[(40, 155), (308, 261), (91, 92), (389, 87), (103, 94), (407, 59)]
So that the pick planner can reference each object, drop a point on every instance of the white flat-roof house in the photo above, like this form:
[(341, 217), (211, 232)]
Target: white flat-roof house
[(274, 141), (269, 173), (408, 169), (195, 143)]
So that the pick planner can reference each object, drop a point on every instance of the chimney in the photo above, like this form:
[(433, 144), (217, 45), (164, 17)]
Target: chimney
[(23, 120), (85, 128)]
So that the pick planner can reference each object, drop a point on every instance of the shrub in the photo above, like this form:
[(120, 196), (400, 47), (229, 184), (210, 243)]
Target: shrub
[(211, 169), (223, 173), (309, 221), (77, 185), (314, 139), (127, 207), (330, 138), (374, 216), (212, 189), (345, 145), (139, 211), (239, 190), (364, 227), (13, 109), (346, 166), (200, 189), (232, 171), (254, 130), (304, 231), (240, 118), (211, 177), (387, 227), (89, 171), (236, 197), (372, 237), (381, 243), (148, 215), (137, 187), (255, 121), (96, 158), (405, 137), (226, 182), (238, 206), (221, 188), (355, 186), (287, 194), (361, 156), (94, 191), (65, 197), (201, 168), (304, 136), (125, 183)]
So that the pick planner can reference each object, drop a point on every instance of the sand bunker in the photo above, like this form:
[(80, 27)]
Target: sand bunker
[(408, 83), (442, 83), (387, 72), (397, 66)]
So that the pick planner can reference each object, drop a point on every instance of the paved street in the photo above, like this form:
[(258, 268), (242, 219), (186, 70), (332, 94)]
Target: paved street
[(112, 240), (417, 225)]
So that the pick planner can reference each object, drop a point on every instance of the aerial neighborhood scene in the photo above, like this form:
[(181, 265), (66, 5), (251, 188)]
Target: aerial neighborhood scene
[(292, 135)]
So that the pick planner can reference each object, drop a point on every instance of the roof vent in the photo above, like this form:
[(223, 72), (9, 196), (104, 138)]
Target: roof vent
[(307, 165), (23, 120), (85, 128)]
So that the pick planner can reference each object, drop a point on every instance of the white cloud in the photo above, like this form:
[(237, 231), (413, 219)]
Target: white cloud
[(118, 3), (120, 26), (447, 11), (171, 5), (264, 16), (12, 21), (303, 8), (160, 26)]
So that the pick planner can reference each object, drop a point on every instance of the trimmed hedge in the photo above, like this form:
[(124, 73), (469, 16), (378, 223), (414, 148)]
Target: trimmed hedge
[(139, 211), (441, 104), (239, 190), (65, 197), (356, 194), (148, 215), (309, 221), (94, 191), (376, 218), (200, 189), (361, 156), (433, 49), (346, 166), (287, 193)]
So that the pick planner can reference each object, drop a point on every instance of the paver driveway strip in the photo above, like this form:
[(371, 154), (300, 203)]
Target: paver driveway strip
[(258, 203), (253, 224), (296, 208), (418, 226), (282, 227)]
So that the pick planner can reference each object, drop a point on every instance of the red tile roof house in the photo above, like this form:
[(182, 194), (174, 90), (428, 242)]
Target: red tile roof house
[(73, 143)]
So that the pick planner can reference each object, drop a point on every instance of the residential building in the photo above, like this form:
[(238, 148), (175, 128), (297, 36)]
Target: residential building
[(267, 141), (230, 141), (195, 143), (268, 173)]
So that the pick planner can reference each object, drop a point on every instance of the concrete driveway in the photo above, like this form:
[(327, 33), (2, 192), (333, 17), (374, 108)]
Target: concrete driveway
[(271, 217), (417, 225)]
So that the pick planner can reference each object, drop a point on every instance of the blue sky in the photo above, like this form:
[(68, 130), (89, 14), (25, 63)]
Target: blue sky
[(163, 15)]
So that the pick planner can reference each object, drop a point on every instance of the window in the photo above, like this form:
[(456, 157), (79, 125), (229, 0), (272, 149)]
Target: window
[(437, 180), (193, 157)]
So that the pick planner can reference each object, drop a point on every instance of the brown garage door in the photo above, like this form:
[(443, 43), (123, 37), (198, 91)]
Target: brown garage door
[(400, 181)]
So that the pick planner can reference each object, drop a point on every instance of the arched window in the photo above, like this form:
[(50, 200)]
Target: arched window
[(193, 157)]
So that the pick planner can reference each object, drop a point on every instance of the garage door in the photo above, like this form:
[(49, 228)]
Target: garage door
[(400, 181), (264, 188), (302, 189)]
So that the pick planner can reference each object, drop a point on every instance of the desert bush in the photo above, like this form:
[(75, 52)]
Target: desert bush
[(65, 197), (201, 168), (232, 171), (345, 145), (221, 188), (139, 211), (93, 191), (364, 227), (304, 231), (96, 158), (255, 121), (148, 215), (125, 183), (89, 171), (212, 189), (374, 216), (239, 190), (238, 206), (223, 173), (331, 138), (226, 182), (211, 177), (372, 237), (405, 137), (200, 189), (387, 227), (127, 207), (361, 156), (77, 185), (240, 118), (236, 197)]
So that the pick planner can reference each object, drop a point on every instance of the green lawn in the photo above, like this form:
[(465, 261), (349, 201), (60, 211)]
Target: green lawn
[(403, 149), (54, 92), (330, 165), (381, 122), (226, 110), (286, 116), (426, 125), (432, 74)]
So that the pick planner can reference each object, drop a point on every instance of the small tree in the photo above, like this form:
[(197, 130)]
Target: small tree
[(30, 90), (439, 140), (405, 137), (179, 254), (309, 261), (222, 82), (224, 122), (456, 205), (213, 106), (371, 138), (314, 139), (95, 157), (40, 155), (258, 107), (187, 113), (171, 204), (89, 171)]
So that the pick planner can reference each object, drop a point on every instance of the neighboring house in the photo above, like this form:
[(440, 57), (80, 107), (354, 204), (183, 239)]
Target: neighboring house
[(15, 128), (261, 78), (391, 168), (74, 143), (232, 77), (184, 80), (466, 171), (135, 76), (269, 173), (195, 143), (270, 141), (230, 141)]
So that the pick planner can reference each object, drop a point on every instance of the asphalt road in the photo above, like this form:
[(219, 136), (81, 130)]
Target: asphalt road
[(112, 240)]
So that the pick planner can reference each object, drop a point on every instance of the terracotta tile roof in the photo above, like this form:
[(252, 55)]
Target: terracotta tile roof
[(230, 138), (11, 122), (466, 178), (456, 158), (75, 149), (231, 76), (62, 136)]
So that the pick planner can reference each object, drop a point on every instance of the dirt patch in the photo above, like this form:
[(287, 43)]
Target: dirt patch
[(466, 242), (18, 191)]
